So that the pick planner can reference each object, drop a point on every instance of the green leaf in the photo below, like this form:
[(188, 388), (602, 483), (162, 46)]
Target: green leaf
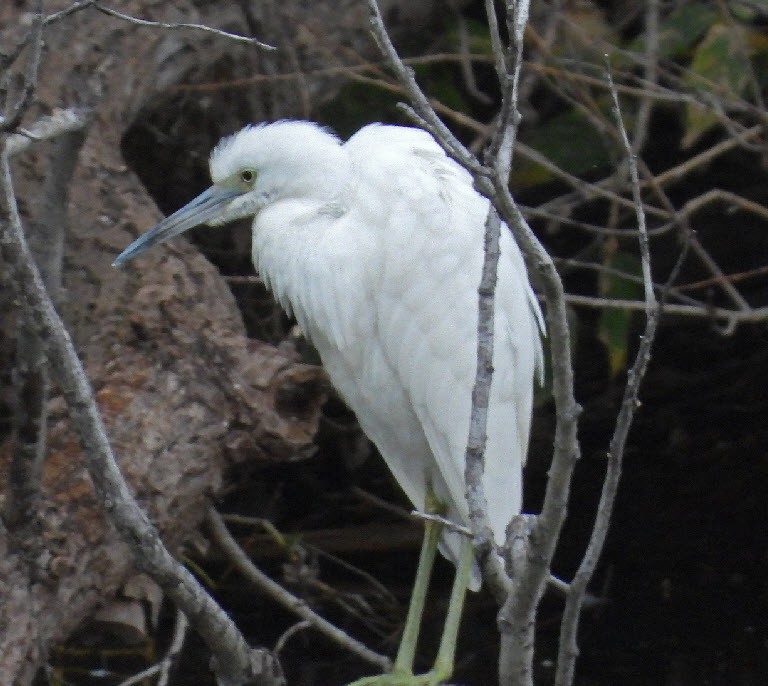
[(614, 324), (584, 31), (719, 67), (439, 81), (682, 28), (569, 141), (747, 13)]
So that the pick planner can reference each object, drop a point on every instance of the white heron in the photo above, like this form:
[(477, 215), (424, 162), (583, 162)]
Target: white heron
[(376, 247)]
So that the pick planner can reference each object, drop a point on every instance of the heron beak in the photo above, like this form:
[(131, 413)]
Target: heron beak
[(202, 209)]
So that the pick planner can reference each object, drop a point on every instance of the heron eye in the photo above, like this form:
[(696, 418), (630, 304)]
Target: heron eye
[(248, 175)]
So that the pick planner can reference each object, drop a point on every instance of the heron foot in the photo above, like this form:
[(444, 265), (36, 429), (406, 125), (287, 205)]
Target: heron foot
[(404, 678)]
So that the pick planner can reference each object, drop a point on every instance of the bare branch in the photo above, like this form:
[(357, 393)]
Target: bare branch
[(31, 379), (704, 158), (731, 317), (195, 27), (476, 442), (516, 619), (568, 647), (643, 117), (508, 72), (287, 635), (424, 114), (283, 597), (163, 667), (447, 523), (714, 269), (10, 121), (7, 60), (645, 253), (465, 63)]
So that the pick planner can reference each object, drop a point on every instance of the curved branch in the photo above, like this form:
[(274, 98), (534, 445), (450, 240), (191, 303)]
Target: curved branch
[(280, 595), (235, 663)]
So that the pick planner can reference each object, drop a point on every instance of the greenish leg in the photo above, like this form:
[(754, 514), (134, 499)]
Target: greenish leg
[(407, 651), (443, 668), (402, 670)]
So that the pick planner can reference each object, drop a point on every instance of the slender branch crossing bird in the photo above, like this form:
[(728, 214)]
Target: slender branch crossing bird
[(376, 247)]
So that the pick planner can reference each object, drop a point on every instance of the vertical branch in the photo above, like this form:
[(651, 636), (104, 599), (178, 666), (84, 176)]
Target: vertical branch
[(421, 112), (517, 616), (536, 540), (508, 68), (501, 158), (465, 64), (31, 378), (13, 118), (425, 116), (234, 663), (28, 436), (568, 648), (544, 42), (475, 454), (643, 118)]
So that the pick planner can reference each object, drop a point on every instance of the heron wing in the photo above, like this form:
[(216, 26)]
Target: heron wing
[(430, 224)]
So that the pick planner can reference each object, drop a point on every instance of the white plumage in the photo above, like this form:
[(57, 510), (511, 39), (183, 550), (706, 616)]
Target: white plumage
[(375, 245), (381, 269)]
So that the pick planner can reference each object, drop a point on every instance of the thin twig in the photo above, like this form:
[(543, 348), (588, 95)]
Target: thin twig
[(704, 158), (714, 268), (733, 278), (289, 633), (568, 646), (467, 73), (422, 112), (280, 539), (285, 598), (8, 59), (751, 316), (651, 57), (195, 27), (163, 667), (381, 503), (443, 521), (340, 70), (543, 44), (11, 121), (568, 264), (509, 80), (719, 195), (474, 459)]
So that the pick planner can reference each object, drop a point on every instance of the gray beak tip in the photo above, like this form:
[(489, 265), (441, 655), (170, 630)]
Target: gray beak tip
[(124, 256), (205, 206)]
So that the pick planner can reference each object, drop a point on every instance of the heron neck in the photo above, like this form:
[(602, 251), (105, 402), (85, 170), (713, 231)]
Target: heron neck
[(286, 246)]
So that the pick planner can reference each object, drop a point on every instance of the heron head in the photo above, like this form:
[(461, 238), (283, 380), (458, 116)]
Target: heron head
[(256, 167)]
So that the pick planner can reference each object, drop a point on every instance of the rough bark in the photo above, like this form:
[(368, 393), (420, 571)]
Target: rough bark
[(182, 389)]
